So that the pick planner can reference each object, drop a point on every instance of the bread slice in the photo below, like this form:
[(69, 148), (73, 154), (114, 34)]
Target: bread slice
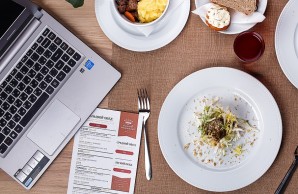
[(244, 6)]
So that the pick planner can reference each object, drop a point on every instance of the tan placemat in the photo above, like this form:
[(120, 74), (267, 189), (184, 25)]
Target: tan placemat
[(198, 47)]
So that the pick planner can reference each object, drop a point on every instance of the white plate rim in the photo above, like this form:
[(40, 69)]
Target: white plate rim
[(138, 43), (285, 29), (187, 172), (241, 27)]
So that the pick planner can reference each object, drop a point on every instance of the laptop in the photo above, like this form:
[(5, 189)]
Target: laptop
[(50, 82)]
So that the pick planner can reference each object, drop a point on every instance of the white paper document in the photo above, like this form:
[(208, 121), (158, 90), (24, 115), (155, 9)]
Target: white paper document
[(105, 153)]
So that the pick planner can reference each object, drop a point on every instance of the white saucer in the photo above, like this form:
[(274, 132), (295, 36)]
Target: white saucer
[(286, 41), (126, 37)]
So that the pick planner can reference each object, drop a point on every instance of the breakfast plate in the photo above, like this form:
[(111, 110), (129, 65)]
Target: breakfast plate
[(132, 39), (236, 28), (248, 99), (286, 42)]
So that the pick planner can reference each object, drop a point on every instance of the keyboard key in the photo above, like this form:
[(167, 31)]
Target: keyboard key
[(13, 135), (5, 106), (27, 105), (34, 46), (66, 69), (10, 99), (8, 141), (65, 57), (55, 83), (13, 109), (31, 73), (45, 32), (3, 148), (48, 79), (52, 36), (22, 111), (57, 55), (44, 70), (40, 50), (18, 103), (58, 41), (6, 131), (16, 118), (19, 65), (42, 60), (28, 90), (8, 78), (2, 137), (15, 93), (32, 98), (37, 92), (3, 123), (24, 59), (59, 65), (23, 96), (8, 89), (1, 112), (14, 83), (13, 72), (24, 70), (39, 77), (29, 52), (11, 124), (7, 116), (33, 83), (36, 106), (61, 75), (64, 46), (46, 43), (49, 64), (39, 39), (50, 90), (29, 63), (43, 84), (47, 54), (53, 47), (3, 84), (19, 76), (3, 96), (76, 56), (18, 129), (21, 86), (26, 80), (70, 51), (35, 56), (37, 67)]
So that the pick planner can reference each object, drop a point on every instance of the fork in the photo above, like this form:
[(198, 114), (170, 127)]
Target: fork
[(144, 111), (290, 172)]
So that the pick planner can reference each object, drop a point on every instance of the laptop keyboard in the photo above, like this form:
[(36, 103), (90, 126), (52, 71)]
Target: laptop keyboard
[(32, 82)]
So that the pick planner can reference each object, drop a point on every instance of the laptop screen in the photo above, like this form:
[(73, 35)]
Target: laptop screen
[(10, 11)]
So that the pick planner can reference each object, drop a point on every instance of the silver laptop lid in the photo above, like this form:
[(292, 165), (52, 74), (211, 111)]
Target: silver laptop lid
[(15, 16)]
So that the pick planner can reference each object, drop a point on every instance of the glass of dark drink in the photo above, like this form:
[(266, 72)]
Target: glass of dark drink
[(249, 46)]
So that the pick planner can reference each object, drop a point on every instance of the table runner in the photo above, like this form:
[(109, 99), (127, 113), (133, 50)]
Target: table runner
[(198, 47)]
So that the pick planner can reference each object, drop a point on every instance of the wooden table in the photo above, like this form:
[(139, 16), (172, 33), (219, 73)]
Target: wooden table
[(82, 22)]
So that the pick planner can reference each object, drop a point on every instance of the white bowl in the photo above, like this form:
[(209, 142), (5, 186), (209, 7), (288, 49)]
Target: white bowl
[(136, 24)]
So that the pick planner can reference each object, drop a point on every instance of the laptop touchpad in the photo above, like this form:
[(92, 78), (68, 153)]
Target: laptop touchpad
[(53, 127)]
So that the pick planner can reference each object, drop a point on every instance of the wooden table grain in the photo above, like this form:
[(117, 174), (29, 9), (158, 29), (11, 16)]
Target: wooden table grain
[(82, 22)]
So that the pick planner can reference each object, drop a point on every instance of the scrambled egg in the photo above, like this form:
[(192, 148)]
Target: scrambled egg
[(150, 10)]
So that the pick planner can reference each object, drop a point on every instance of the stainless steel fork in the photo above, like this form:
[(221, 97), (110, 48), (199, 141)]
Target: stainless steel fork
[(144, 112)]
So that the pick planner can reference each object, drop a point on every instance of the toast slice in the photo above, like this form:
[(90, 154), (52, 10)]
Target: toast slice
[(244, 6)]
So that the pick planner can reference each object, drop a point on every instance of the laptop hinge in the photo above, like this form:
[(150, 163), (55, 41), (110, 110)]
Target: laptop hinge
[(20, 41)]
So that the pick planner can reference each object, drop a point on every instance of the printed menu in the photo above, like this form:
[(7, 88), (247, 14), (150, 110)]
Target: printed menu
[(105, 153)]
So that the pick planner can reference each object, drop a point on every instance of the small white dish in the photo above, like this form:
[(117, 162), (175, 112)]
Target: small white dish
[(131, 38), (257, 105), (236, 28), (286, 41)]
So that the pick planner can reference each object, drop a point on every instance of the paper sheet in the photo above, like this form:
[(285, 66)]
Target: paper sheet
[(105, 154)]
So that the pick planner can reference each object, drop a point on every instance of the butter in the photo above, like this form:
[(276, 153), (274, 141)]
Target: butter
[(218, 16), (150, 10)]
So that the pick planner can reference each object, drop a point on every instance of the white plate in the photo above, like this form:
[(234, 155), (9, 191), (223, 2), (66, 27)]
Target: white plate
[(236, 28), (126, 37), (286, 41), (257, 104)]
